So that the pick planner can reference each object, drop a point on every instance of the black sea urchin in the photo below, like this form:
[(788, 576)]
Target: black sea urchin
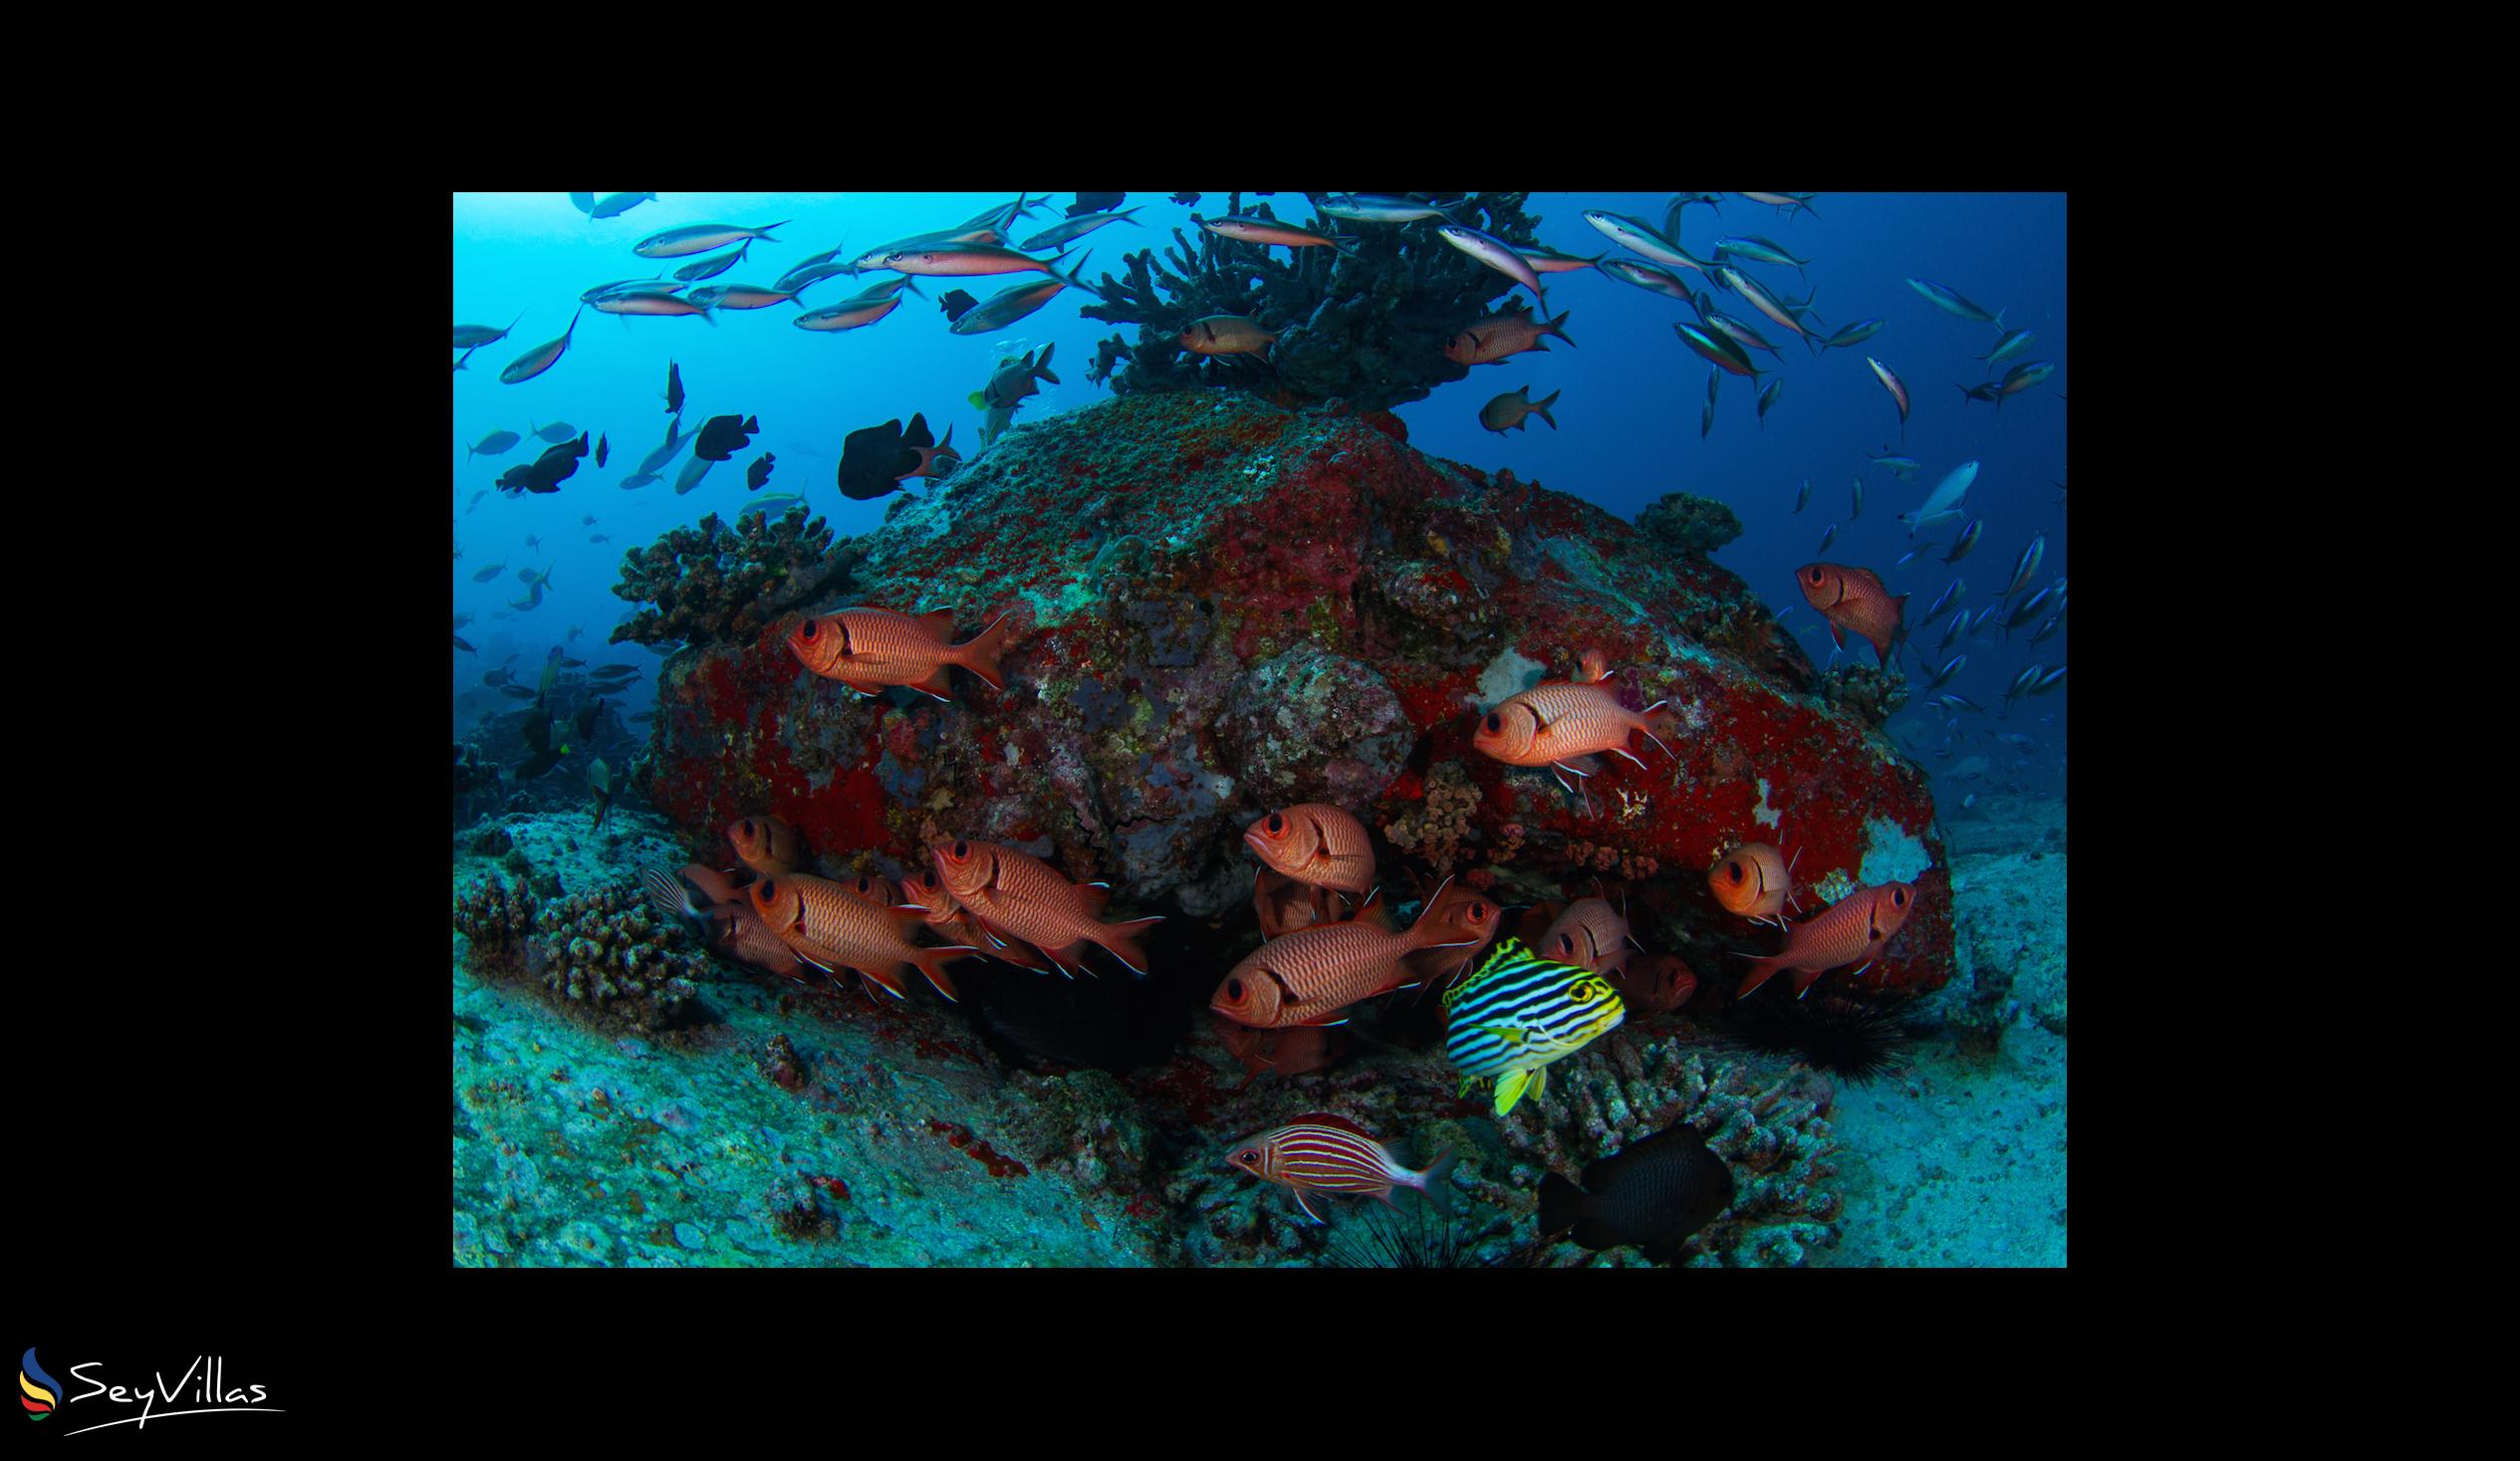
[(1847, 1038)]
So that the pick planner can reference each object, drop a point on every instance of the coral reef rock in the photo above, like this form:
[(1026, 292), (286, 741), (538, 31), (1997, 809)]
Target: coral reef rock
[(1223, 605)]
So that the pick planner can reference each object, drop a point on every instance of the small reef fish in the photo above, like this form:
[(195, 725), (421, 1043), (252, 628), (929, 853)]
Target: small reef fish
[(1654, 985), (1471, 915), (1942, 505), (1017, 895), (1060, 235), (699, 269), (722, 436), (1647, 276), (1655, 1193), (1852, 930), (1515, 408), (654, 285), (1014, 381), (1312, 975), (832, 928), (956, 924), (1753, 881), (739, 297), (766, 844), (1855, 333), (855, 312), (1284, 904), (603, 451), (1892, 383), (673, 392), (868, 649), (757, 471), (956, 302), (599, 783), (541, 357), (657, 303), (1550, 261), (1767, 397), (1297, 1050), (553, 432), (1498, 335), (1270, 232), (1952, 301), (1904, 466), (1011, 304), (2021, 377), (483, 575), (1498, 255), (1590, 934), (1322, 1153), (472, 337), (1315, 844), (1967, 540), (1376, 207), (619, 204), (967, 259), (875, 459), (1989, 390), (1716, 350), (1765, 303), (1853, 599), (700, 238), (1516, 1014), (1562, 724), (1707, 418), (2014, 343), (1639, 237), (1758, 251), (495, 444), (1792, 203), (1227, 334), (1091, 203), (2026, 567)]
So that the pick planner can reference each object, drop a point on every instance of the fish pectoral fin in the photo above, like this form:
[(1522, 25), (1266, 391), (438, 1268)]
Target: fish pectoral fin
[(1512, 1035), (1300, 1201), (1509, 1091), (863, 687), (938, 684)]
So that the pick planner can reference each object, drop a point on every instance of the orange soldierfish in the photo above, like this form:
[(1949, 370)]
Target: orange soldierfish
[(832, 928), (1656, 984), (1285, 904), (1297, 1050), (1753, 881), (1852, 929), (703, 894), (1498, 335), (1470, 914), (1320, 1152), (869, 889), (953, 922), (1310, 976), (1560, 723), (1853, 599), (766, 844), (1017, 895), (1590, 934), (867, 649), (1315, 844)]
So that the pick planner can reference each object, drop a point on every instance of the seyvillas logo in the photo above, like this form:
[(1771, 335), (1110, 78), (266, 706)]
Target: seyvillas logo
[(39, 1391), (204, 1382)]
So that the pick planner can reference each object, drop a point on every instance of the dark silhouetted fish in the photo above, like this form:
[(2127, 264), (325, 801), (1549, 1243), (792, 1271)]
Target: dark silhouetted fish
[(556, 465), (493, 444), (539, 763), (583, 203), (618, 204), (1186, 199), (603, 449), (758, 472), (1095, 204), (1096, 1024), (721, 436), (674, 391), (1060, 234), (469, 335), (711, 268), (1014, 379), (956, 302), (1657, 1193), (486, 574), (874, 460)]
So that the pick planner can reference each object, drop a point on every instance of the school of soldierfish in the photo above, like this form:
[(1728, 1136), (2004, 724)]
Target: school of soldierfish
[(1512, 1009)]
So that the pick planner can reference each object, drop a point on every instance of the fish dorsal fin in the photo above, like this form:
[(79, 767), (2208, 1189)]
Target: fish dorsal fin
[(1374, 912), (1096, 896), (939, 621)]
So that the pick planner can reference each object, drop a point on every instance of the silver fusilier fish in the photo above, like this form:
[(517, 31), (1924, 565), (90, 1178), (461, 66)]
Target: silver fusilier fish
[(541, 357), (700, 238), (1498, 255)]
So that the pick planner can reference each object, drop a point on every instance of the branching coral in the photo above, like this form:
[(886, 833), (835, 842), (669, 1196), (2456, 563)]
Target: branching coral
[(602, 949), (712, 584), (1369, 327), (1441, 828), (1688, 524)]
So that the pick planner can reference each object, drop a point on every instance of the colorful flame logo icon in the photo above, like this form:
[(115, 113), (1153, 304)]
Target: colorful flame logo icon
[(41, 1389)]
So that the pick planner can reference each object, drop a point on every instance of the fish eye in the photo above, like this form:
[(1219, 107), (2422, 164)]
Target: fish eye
[(1276, 822), (747, 825), (1734, 868), (769, 890), (808, 631), (1566, 943), (1249, 1155), (1478, 912), (1817, 576), (1233, 989), (1898, 898), (1495, 722), (961, 850)]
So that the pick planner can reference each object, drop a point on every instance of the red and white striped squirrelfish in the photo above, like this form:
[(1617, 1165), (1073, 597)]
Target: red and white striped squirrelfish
[(1310, 976), (1851, 930), (1285, 904), (1322, 1153), (1016, 895), (766, 844), (1316, 843), (955, 924), (867, 649), (1853, 599), (832, 928), (1561, 724), (1590, 934)]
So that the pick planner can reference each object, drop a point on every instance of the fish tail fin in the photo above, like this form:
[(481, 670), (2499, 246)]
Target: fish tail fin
[(1435, 1183), (1541, 407), (764, 231), (931, 962), (2000, 325), (1120, 941), (1965, 397), (1557, 327), (1073, 278), (1560, 1203), (1344, 243), (1803, 979), (1761, 969), (979, 654), (1661, 720)]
